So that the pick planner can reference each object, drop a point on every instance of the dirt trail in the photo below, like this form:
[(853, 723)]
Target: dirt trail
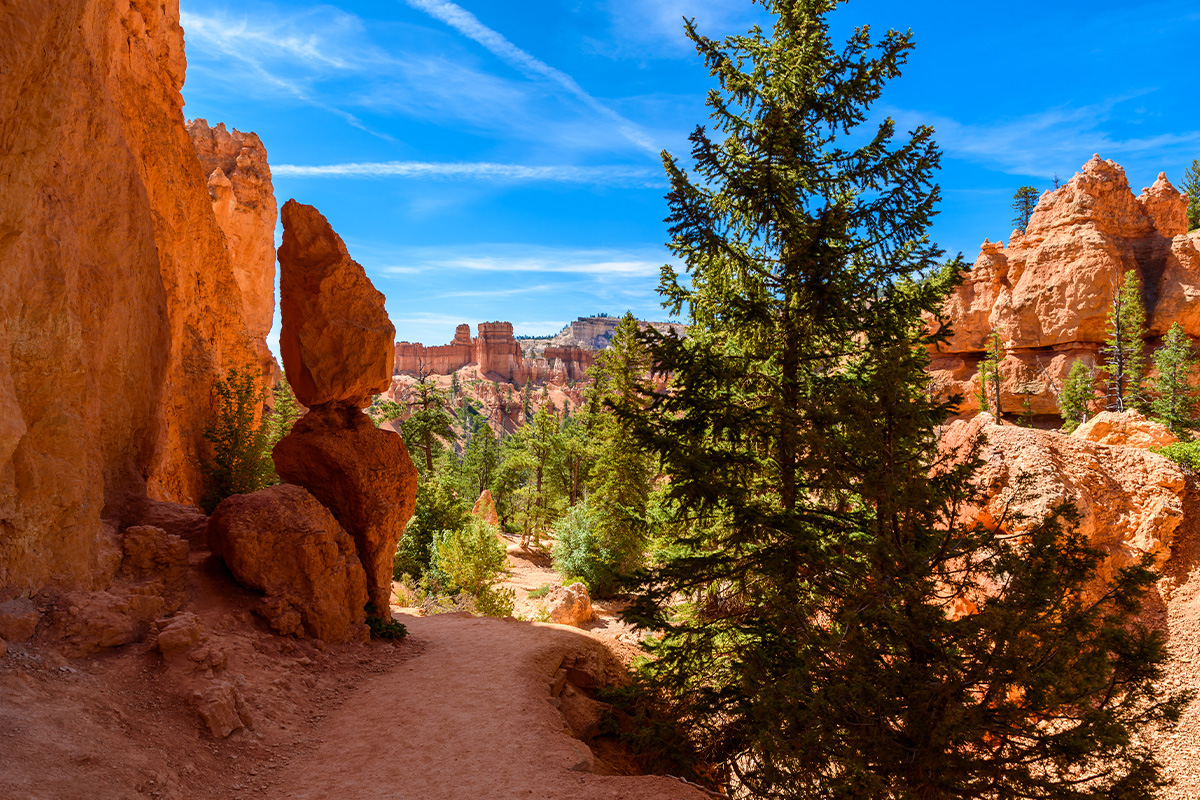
[(470, 717)]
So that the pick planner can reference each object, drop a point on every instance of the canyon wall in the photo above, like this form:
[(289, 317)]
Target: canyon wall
[(1047, 294), (243, 202), (118, 302)]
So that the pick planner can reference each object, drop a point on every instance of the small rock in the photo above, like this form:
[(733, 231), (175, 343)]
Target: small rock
[(570, 605), (220, 705), (18, 620)]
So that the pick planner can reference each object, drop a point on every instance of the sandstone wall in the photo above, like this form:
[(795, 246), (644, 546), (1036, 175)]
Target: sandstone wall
[(243, 202), (118, 304), (1049, 292)]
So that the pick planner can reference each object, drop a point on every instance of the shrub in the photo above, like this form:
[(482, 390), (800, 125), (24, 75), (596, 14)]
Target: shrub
[(1184, 453), (471, 560), (437, 509), (579, 552), (386, 629), (241, 461)]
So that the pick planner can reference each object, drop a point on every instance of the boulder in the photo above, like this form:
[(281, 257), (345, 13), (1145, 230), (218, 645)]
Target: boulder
[(89, 622), (19, 619), (119, 307), (1130, 501), (485, 508), (570, 605), (222, 708), (1128, 428), (187, 522), (282, 542), (336, 339), (363, 475)]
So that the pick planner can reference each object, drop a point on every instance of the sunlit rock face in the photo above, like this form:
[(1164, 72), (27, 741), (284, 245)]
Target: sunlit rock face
[(1047, 294), (119, 306)]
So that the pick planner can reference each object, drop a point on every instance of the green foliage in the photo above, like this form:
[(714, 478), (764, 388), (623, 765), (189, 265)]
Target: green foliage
[(428, 425), (381, 410), (241, 439), (990, 379), (279, 420), (1191, 185), (807, 646), (1175, 399), (386, 629), (540, 591), (438, 508), (472, 560), (1124, 366), (579, 550), (1185, 453), (1024, 202), (1076, 396)]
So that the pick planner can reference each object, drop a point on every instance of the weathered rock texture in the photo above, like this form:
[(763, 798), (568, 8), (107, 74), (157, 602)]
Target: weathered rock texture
[(1048, 293), (336, 339), (570, 605), (1127, 428), (282, 542), (118, 304), (243, 202), (485, 508), (1130, 500), (363, 475)]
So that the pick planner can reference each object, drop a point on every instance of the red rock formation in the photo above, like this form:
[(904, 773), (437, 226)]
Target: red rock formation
[(498, 355), (485, 508), (1128, 428), (570, 605), (1130, 500), (1048, 293), (336, 338), (283, 543), (243, 201), (118, 304), (363, 475)]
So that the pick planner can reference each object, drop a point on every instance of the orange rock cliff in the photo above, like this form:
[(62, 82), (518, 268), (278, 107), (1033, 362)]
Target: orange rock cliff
[(1047, 294)]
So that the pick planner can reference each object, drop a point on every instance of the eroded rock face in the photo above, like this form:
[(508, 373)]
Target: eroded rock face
[(282, 542), (336, 339), (485, 508), (118, 303), (1048, 293), (1127, 428), (243, 202), (1129, 500), (363, 475)]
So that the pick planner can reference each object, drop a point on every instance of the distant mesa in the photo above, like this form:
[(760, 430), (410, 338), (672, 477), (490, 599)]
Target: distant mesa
[(564, 357)]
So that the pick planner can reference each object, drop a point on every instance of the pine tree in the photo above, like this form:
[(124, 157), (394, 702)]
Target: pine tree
[(806, 646), (1076, 396), (429, 423), (1175, 398), (989, 377), (1191, 185), (1024, 202), (1124, 366)]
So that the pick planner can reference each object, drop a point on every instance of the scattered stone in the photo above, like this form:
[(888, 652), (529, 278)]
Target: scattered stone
[(178, 635), (222, 708), (282, 542), (570, 605), (19, 619), (92, 621), (186, 522), (336, 339), (360, 473)]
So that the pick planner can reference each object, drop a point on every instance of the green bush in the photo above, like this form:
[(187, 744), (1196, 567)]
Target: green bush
[(471, 560), (386, 629), (579, 552), (437, 509), (241, 460), (1185, 453)]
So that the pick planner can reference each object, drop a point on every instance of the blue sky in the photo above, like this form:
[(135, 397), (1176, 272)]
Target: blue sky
[(494, 160)]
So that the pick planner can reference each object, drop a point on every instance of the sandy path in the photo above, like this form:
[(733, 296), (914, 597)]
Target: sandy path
[(470, 717)]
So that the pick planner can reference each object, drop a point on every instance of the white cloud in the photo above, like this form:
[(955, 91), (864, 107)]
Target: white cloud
[(469, 25), (618, 175), (599, 264), (655, 27)]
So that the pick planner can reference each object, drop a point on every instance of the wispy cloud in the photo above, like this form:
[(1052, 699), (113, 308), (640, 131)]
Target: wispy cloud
[(617, 174), (496, 293), (469, 25), (1054, 140), (597, 263)]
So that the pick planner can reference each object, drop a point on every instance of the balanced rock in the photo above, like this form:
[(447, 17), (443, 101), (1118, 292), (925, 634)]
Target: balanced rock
[(336, 339), (570, 605), (363, 475), (282, 542), (1130, 501), (1047, 295), (1128, 428)]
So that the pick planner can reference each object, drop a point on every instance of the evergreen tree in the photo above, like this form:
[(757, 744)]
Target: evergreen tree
[(1191, 185), (1024, 202), (285, 413), (814, 655), (990, 378), (429, 423), (1076, 395), (480, 461), (240, 437), (1124, 366), (1175, 399)]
